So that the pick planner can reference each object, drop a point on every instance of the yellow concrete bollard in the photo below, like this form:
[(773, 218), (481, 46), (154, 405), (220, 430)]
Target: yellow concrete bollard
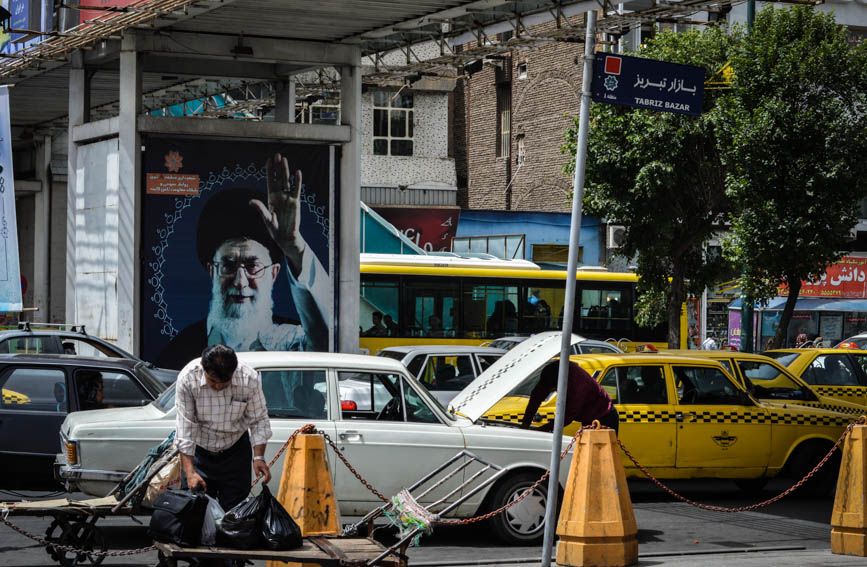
[(306, 490), (597, 524), (848, 520)]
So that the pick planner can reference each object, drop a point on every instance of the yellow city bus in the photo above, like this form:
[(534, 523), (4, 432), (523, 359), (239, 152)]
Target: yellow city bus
[(433, 299)]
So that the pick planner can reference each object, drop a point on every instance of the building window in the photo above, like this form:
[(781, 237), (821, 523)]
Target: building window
[(392, 123), (522, 149), (318, 114), (504, 120), (522, 70)]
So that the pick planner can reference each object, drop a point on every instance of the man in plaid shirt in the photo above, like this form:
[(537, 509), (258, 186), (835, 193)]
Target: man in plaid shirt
[(221, 416)]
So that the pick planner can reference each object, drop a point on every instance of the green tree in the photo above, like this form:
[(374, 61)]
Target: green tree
[(796, 139), (662, 176)]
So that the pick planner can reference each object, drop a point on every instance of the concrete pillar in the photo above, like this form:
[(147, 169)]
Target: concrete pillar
[(79, 113), (129, 196), (284, 107), (42, 235), (349, 204)]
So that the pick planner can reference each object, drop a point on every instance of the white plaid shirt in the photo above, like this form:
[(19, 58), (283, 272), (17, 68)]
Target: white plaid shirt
[(215, 420)]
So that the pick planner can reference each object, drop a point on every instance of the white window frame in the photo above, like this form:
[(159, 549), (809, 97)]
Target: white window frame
[(409, 129)]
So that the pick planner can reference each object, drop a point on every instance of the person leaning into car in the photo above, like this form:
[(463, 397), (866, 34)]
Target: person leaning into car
[(586, 400), (222, 422)]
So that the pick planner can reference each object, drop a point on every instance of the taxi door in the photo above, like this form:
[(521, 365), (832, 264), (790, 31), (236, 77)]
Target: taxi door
[(718, 425), (642, 399)]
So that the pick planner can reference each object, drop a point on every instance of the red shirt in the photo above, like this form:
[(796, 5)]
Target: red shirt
[(586, 400)]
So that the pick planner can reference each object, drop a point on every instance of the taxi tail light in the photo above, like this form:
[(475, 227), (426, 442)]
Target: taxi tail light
[(72, 452), (348, 405)]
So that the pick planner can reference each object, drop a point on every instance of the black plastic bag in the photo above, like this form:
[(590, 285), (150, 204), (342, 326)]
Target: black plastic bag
[(279, 530), (178, 516), (241, 526)]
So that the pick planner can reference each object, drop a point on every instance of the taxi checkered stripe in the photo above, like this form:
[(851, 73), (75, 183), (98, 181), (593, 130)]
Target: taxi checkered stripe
[(10, 397), (831, 407), (664, 416), (841, 391)]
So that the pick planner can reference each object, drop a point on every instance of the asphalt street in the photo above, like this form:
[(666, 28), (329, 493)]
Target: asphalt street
[(791, 531)]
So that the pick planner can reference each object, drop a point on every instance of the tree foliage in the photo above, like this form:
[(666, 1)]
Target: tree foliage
[(795, 133), (662, 175)]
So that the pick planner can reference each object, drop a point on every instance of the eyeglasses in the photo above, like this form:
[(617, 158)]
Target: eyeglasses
[(253, 269)]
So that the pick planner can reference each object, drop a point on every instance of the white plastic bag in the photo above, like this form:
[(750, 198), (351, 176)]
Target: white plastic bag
[(213, 516), (169, 475)]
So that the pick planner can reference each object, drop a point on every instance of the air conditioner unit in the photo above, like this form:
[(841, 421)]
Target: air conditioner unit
[(616, 233)]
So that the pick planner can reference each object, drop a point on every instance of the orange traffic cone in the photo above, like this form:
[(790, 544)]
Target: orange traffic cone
[(306, 490), (848, 521), (597, 524)]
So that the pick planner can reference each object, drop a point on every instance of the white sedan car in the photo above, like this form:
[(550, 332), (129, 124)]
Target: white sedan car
[(392, 440)]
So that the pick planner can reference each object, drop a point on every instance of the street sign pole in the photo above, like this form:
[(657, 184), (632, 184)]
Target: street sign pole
[(569, 307)]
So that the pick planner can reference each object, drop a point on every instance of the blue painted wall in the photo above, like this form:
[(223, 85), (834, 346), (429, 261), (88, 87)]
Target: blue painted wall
[(539, 228)]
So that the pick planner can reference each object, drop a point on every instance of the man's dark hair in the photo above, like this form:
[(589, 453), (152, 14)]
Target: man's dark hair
[(550, 374), (219, 361), (376, 314), (228, 215)]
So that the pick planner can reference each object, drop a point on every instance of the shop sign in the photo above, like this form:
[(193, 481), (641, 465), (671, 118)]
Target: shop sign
[(845, 279)]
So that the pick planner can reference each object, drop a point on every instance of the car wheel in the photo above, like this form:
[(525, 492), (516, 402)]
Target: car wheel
[(523, 523), (802, 462), (751, 485)]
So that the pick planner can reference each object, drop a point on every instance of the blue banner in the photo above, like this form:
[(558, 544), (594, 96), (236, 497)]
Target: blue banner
[(10, 273), (646, 83)]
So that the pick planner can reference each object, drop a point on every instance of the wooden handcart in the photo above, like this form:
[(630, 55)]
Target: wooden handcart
[(325, 551)]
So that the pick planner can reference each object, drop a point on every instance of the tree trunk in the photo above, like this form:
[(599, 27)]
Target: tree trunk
[(675, 305), (779, 340)]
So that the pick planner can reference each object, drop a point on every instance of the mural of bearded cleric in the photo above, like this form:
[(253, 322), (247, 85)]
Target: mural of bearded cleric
[(241, 238)]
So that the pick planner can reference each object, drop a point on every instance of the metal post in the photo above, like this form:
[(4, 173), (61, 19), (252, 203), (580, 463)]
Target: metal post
[(747, 300), (569, 307), (751, 13)]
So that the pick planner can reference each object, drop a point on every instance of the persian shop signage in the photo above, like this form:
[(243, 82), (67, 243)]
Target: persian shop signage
[(845, 279)]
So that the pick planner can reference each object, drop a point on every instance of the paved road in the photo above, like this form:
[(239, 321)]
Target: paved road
[(792, 531)]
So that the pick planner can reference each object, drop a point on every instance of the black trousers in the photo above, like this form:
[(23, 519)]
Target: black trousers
[(610, 419), (227, 474)]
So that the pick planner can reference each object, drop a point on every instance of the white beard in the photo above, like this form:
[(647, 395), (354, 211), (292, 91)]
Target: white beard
[(239, 324)]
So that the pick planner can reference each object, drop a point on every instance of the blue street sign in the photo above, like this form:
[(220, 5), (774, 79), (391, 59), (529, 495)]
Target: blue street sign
[(646, 83)]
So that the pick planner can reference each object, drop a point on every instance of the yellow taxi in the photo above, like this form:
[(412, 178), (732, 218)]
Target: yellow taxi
[(770, 382), (831, 372), (685, 417)]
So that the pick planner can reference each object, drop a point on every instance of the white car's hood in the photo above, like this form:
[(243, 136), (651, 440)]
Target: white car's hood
[(507, 373)]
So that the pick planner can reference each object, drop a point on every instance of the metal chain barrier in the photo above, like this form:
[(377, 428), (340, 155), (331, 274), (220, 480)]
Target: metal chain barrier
[(780, 496), (526, 493), (360, 478), (77, 551)]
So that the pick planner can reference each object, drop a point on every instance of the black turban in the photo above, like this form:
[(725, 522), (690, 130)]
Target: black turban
[(228, 215)]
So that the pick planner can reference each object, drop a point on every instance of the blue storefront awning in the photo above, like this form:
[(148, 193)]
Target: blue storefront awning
[(810, 304)]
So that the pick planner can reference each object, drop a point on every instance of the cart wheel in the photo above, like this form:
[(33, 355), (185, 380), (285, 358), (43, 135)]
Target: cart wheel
[(85, 537), (53, 533)]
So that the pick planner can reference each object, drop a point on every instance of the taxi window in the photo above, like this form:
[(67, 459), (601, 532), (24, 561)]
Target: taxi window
[(728, 365), (831, 370), (701, 385), (784, 358), (382, 397), (861, 359), (637, 385), (766, 381)]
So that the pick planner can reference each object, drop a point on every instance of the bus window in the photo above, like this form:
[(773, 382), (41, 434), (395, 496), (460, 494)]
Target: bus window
[(605, 311), (494, 309), (382, 296), (431, 308), (540, 309)]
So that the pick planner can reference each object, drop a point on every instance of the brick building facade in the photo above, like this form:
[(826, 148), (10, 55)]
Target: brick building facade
[(511, 116)]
